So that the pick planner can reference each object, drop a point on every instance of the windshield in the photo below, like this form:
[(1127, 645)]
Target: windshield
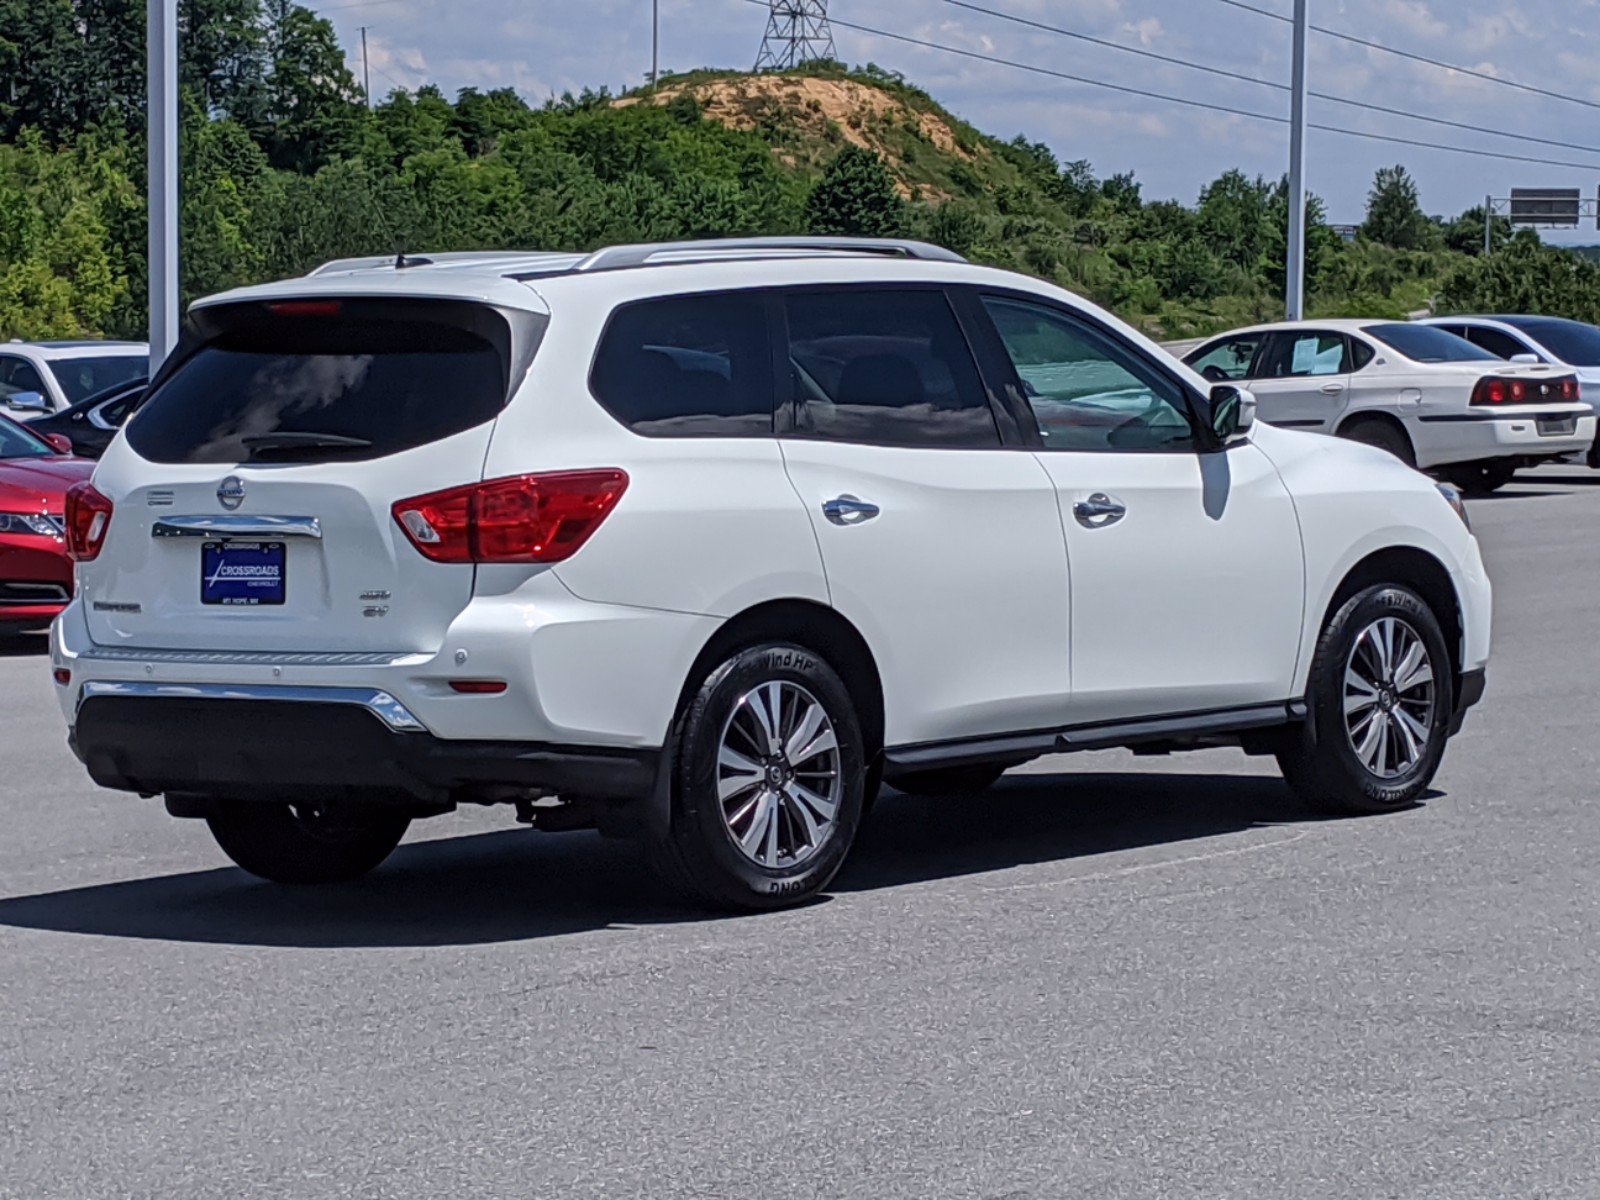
[(17, 442), (81, 377), (1425, 344), (1571, 341)]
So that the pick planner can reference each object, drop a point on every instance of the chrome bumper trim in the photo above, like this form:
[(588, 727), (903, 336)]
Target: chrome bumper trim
[(225, 526), (379, 703), (253, 658)]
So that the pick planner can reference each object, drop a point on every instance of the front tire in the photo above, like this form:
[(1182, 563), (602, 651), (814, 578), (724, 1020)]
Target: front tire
[(769, 785), (1378, 706), (289, 844)]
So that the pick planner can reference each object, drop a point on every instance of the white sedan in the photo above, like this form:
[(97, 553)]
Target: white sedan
[(1432, 399)]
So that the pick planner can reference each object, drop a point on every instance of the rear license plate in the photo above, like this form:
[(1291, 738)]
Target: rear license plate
[(242, 572), (1558, 426)]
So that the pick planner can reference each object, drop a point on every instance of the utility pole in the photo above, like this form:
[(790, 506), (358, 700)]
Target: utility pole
[(162, 194), (1296, 300), (655, 43), (1488, 226), (366, 79)]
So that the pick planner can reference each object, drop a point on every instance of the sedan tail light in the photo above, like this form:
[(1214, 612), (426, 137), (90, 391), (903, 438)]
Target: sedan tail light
[(1492, 390), (88, 518), (520, 519)]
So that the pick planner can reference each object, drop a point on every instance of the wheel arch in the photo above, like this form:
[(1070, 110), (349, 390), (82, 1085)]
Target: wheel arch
[(816, 627), (1423, 573), (1369, 416)]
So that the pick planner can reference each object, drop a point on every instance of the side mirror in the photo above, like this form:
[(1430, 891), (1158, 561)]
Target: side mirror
[(59, 441), (1526, 358), (1233, 413), (28, 402)]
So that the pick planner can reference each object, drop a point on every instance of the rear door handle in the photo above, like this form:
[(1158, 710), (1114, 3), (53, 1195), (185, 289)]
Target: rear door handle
[(1332, 389), (849, 510), (1098, 511)]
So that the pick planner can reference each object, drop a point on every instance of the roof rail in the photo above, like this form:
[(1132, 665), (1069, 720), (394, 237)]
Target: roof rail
[(450, 258), (617, 258)]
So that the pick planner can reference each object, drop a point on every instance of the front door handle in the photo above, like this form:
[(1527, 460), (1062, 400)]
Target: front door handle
[(1098, 511), (848, 510)]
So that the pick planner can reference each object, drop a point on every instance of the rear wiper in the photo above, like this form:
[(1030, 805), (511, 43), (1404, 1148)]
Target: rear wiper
[(293, 440)]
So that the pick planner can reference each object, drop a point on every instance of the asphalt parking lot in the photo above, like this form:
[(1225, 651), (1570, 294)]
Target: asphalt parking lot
[(1111, 977)]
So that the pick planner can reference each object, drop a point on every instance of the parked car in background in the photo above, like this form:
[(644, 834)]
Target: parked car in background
[(1573, 345), (710, 539), (35, 570), (40, 378), (1432, 399), (92, 423)]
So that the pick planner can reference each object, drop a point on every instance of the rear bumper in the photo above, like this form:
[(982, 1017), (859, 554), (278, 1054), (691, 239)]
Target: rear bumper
[(1469, 436), (322, 743)]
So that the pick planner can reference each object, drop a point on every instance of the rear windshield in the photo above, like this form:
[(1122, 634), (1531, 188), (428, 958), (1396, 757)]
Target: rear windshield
[(1426, 344), (328, 381), (1572, 342), (83, 377)]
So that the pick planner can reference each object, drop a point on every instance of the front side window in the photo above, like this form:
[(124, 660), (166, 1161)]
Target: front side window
[(18, 375), (1086, 391), (885, 367), (81, 378), (1571, 341), (688, 366), (1501, 345), (1228, 361), (1304, 356)]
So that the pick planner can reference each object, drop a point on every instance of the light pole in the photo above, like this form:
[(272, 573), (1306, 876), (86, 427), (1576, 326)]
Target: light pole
[(655, 43), (163, 182), (1295, 301)]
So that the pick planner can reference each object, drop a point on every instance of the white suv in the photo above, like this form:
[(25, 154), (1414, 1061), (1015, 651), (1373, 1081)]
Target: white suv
[(701, 542)]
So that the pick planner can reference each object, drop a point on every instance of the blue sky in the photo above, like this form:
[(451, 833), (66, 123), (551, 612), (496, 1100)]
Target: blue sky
[(544, 46)]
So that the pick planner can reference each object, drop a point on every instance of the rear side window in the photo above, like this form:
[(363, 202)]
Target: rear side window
[(320, 381), (688, 366), (885, 367)]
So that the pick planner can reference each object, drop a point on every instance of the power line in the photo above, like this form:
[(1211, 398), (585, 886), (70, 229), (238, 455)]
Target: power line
[(1270, 83), (1421, 58), (1191, 103)]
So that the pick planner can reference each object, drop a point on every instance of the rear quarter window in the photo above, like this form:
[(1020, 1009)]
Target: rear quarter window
[(331, 381)]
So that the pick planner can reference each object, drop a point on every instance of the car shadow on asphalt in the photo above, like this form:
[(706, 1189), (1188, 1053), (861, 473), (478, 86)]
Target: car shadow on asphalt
[(25, 645), (517, 885)]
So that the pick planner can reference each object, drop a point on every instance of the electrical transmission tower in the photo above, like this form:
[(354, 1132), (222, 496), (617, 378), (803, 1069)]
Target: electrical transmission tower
[(797, 32)]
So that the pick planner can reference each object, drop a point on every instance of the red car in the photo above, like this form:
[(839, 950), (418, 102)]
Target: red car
[(35, 572)]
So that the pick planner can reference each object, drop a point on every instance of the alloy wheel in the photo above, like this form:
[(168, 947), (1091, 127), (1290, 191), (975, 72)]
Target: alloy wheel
[(1389, 697), (778, 779)]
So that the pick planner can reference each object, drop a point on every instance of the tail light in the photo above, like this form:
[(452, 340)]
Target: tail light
[(88, 518), (520, 519), (1492, 390)]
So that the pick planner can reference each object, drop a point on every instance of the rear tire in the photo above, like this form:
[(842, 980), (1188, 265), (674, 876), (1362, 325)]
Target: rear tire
[(769, 785), (283, 844), (1381, 671), (949, 781), (1481, 478), (1384, 436)]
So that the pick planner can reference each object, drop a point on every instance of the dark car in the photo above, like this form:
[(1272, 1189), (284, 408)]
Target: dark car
[(91, 423)]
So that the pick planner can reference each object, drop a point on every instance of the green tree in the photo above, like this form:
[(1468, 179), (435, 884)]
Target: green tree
[(1394, 216), (856, 196)]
